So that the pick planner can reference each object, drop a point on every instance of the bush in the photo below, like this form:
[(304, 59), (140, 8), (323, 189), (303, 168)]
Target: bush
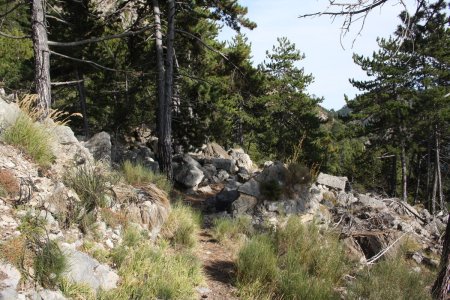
[(182, 226), (91, 184), (76, 291), (312, 263), (31, 137), (49, 264), (150, 273), (257, 263), (8, 184), (137, 174), (298, 174), (389, 279), (271, 190), (226, 229)]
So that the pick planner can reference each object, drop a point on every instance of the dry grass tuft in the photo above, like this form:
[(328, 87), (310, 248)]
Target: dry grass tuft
[(8, 183)]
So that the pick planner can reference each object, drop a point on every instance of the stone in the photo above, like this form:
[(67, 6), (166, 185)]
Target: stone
[(228, 165), (244, 205), (188, 175), (9, 112), (242, 159), (209, 170), (47, 295), (64, 135), (221, 176), (371, 202), (9, 279), (100, 146), (84, 269), (224, 199), (215, 150), (331, 181), (274, 172), (251, 187)]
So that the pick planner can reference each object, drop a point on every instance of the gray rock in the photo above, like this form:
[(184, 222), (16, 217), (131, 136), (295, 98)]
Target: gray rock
[(47, 295), (223, 200), (64, 135), (188, 175), (84, 269), (215, 150), (274, 172), (251, 187), (331, 181), (221, 176), (228, 165), (209, 170), (9, 112), (9, 279), (100, 146), (371, 202), (244, 205), (242, 159)]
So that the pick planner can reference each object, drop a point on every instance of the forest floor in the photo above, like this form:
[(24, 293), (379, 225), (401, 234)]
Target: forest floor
[(217, 260)]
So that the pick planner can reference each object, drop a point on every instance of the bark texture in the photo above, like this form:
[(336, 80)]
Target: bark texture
[(441, 287), (41, 57)]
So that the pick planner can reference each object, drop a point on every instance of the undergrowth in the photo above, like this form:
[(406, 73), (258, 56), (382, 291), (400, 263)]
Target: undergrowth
[(33, 138), (182, 226), (151, 272), (231, 230), (137, 174)]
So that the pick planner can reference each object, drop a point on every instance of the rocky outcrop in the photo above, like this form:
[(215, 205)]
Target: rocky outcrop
[(334, 182), (100, 146)]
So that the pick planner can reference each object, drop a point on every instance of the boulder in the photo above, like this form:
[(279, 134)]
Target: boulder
[(189, 176), (371, 202), (215, 150), (242, 159), (333, 182), (9, 112), (100, 146), (84, 269), (228, 165), (273, 172), (243, 205), (221, 176), (9, 279), (224, 199), (47, 295), (251, 187)]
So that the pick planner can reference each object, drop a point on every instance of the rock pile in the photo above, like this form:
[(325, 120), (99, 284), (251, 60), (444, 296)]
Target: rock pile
[(42, 194)]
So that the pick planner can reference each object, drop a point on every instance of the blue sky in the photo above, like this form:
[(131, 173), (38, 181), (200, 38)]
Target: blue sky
[(318, 38)]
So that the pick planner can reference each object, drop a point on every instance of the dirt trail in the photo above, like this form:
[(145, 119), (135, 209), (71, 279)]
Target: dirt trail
[(218, 264)]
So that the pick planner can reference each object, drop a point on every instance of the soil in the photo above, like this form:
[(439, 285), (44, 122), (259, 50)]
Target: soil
[(217, 260)]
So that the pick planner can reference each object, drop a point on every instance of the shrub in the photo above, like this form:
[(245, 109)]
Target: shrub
[(312, 263), (257, 263), (271, 190), (150, 273), (49, 264), (113, 219), (226, 229), (33, 138), (298, 174), (182, 226), (8, 184), (14, 251), (389, 279), (138, 174), (91, 183)]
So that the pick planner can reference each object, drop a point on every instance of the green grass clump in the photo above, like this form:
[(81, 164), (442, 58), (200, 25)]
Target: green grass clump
[(182, 226), (149, 272), (257, 265), (31, 137), (390, 279), (296, 262), (91, 184), (226, 229), (76, 291), (49, 264), (138, 174)]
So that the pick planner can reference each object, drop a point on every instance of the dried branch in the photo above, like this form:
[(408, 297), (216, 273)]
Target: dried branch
[(14, 36)]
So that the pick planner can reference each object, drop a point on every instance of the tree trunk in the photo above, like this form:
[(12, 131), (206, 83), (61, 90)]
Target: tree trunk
[(433, 194), (82, 96), (404, 176), (165, 88), (429, 176), (393, 187), (438, 170), (41, 57), (441, 287)]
